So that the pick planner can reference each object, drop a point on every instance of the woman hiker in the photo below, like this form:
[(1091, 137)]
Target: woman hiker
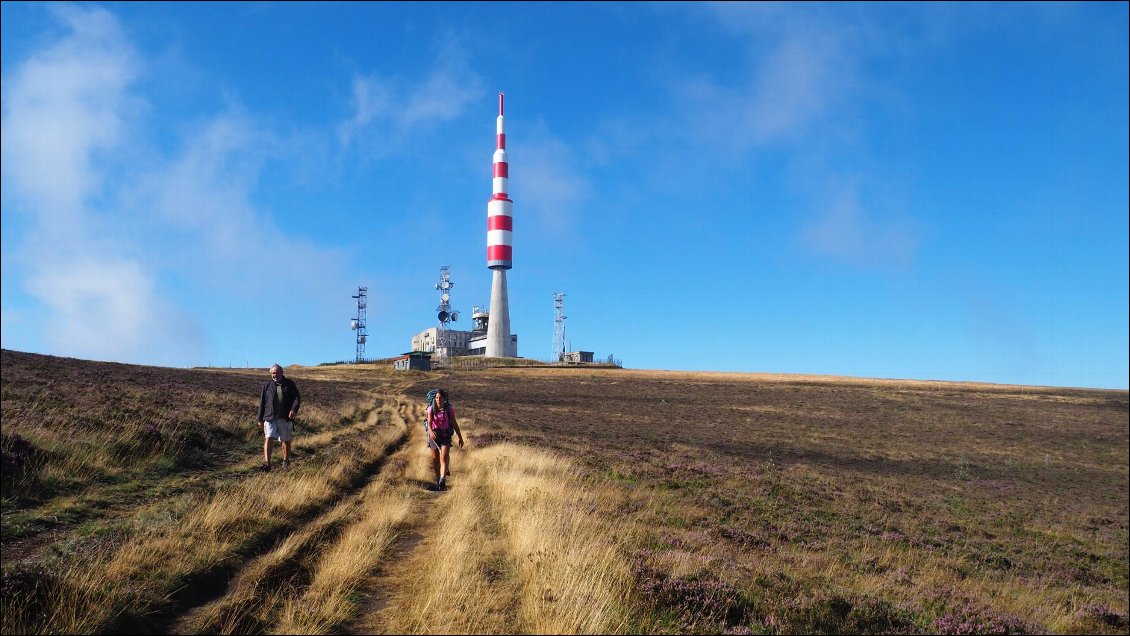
[(440, 425)]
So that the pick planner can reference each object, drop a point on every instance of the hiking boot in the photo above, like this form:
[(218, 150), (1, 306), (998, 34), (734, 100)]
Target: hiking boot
[(266, 467), (286, 463), (441, 484)]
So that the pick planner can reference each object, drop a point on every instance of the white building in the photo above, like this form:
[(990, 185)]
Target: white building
[(461, 343), (428, 340)]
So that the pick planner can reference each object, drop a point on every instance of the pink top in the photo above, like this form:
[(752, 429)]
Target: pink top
[(440, 421)]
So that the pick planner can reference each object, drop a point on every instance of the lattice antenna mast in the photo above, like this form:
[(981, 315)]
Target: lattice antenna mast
[(359, 323), (444, 314), (558, 326)]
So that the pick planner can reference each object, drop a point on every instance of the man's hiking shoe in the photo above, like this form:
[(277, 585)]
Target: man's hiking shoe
[(266, 467), (286, 463), (441, 484)]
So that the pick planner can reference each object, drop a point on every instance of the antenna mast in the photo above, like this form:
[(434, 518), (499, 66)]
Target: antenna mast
[(444, 314), (358, 323), (558, 326)]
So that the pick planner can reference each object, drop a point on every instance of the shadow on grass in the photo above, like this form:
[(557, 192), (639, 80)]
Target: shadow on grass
[(209, 584)]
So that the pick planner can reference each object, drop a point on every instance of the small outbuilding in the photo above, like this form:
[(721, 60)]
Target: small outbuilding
[(418, 360), (576, 357)]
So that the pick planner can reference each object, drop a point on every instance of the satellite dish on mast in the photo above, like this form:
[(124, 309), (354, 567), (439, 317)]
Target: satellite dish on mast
[(353, 325), (443, 316), (455, 315)]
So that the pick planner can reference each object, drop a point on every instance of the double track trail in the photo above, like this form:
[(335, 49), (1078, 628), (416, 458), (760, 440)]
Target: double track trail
[(586, 501), (172, 526), (388, 554)]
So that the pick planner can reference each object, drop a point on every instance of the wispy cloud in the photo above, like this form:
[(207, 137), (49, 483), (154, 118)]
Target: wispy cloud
[(801, 89), (547, 181), (64, 107), (124, 269), (798, 71), (65, 118), (844, 230), (111, 310), (798, 82), (210, 223), (204, 191), (388, 108)]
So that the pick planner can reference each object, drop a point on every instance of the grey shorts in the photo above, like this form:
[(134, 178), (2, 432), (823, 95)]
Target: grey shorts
[(279, 428)]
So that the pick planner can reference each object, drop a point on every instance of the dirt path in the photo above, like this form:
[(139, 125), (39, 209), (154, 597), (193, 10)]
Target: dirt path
[(265, 585), (450, 571), (380, 588), (352, 538)]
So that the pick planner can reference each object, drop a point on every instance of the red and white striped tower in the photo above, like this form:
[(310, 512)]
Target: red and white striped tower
[(500, 227)]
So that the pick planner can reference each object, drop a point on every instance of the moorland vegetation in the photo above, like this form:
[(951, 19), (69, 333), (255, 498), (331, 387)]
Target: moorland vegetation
[(588, 500)]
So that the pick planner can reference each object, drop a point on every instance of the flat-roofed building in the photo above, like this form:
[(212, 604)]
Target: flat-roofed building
[(418, 360)]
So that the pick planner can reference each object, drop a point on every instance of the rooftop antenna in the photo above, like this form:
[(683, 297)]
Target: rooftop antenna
[(558, 326), (358, 323), (444, 314)]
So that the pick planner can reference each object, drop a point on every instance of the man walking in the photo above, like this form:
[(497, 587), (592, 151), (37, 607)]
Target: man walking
[(278, 407)]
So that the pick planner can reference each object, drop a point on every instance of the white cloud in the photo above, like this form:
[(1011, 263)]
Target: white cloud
[(96, 253), (105, 258), (12, 326), (63, 107), (545, 179), (66, 113), (203, 193), (386, 109), (845, 231), (212, 226), (797, 83), (803, 89), (370, 100), (107, 310), (798, 74)]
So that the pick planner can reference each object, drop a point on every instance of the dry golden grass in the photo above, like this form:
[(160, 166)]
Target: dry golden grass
[(155, 556), (81, 606), (251, 600), (335, 552), (573, 574), (807, 503), (519, 546), (589, 501), (453, 582), (329, 601)]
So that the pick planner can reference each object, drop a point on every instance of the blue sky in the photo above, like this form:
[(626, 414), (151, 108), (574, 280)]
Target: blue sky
[(927, 191)]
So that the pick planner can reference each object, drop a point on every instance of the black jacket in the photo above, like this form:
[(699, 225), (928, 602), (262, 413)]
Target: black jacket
[(290, 402)]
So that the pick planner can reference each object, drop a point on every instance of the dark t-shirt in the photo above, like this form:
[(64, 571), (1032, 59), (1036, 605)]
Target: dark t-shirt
[(271, 406)]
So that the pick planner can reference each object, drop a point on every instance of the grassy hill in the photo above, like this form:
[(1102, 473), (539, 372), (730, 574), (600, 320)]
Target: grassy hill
[(587, 500)]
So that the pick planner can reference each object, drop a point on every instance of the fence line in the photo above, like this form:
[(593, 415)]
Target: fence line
[(471, 363)]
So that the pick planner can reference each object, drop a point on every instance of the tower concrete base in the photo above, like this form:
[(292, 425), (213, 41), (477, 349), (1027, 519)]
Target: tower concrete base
[(498, 328)]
